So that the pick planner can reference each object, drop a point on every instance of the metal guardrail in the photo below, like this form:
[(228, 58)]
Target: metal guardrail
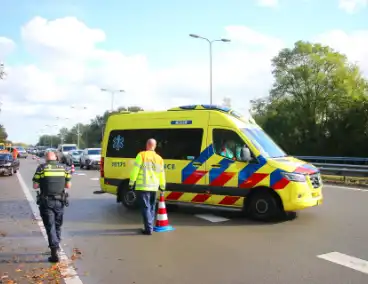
[(340, 166)]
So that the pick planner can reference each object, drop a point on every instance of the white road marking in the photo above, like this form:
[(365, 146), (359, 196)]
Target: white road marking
[(79, 174), (68, 272), (346, 260), (94, 178), (212, 218), (348, 188)]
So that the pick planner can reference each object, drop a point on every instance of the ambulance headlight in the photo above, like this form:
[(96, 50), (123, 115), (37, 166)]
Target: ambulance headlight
[(294, 177)]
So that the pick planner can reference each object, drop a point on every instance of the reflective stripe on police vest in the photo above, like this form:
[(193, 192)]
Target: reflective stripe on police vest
[(54, 174)]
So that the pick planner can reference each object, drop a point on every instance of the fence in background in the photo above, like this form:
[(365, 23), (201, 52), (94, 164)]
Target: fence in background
[(349, 169)]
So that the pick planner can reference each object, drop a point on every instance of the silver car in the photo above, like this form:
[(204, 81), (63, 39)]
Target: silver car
[(22, 153), (90, 158), (73, 157)]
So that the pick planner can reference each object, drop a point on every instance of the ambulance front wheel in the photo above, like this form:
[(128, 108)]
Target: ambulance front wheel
[(264, 205)]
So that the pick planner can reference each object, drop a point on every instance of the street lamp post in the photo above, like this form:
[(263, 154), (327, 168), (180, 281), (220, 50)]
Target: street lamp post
[(112, 92), (210, 50), (52, 125), (40, 133), (78, 124), (61, 134)]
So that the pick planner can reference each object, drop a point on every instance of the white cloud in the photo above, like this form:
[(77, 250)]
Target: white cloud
[(352, 6), (353, 44), (70, 68), (61, 38), (6, 46), (268, 3)]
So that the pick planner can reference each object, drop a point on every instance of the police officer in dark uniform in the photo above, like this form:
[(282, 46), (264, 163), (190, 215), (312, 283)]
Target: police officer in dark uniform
[(52, 179)]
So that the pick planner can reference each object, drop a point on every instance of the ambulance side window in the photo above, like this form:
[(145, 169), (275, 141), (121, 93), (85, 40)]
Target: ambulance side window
[(227, 143), (173, 144), (126, 143), (181, 144)]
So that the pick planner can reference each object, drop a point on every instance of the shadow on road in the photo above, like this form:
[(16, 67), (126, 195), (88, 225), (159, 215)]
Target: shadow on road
[(15, 209), (105, 232), (23, 258), (105, 211)]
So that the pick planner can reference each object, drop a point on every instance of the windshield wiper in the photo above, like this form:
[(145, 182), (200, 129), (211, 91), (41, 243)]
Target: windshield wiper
[(284, 156)]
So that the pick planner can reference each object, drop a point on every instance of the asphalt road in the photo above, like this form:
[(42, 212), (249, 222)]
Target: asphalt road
[(232, 250)]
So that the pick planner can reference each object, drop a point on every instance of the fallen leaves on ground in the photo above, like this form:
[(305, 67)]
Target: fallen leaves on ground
[(77, 254), (53, 274)]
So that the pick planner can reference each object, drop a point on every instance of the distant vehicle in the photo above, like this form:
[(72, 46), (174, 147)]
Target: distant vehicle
[(40, 151), (90, 158), (8, 165), (73, 157), (22, 153), (63, 150)]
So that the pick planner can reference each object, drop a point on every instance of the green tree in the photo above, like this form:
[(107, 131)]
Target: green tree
[(51, 141), (63, 133), (315, 92), (3, 134)]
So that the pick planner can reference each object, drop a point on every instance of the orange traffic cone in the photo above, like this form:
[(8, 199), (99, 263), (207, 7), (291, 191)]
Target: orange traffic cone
[(162, 221), (73, 169)]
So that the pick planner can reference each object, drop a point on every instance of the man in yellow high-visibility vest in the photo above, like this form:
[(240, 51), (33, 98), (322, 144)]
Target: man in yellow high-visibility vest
[(148, 175)]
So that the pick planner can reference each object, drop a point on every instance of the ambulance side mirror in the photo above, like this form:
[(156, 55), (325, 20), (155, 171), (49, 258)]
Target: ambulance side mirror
[(246, 156)]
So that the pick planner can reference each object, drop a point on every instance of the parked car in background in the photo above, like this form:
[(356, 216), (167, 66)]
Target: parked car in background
[(63, 150), (73, 157), (22, 153), (8, 165), (50, 150), (40, 151), (90, 158)]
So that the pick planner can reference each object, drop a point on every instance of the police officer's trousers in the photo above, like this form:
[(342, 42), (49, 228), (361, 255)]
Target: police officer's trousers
[(52, 212), (147, 202)]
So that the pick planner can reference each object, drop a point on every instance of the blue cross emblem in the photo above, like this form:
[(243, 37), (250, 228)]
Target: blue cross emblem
[(118, 143)]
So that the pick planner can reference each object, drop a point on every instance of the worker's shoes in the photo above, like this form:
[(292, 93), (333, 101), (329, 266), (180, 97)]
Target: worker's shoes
[(145, 232), (54, 255)]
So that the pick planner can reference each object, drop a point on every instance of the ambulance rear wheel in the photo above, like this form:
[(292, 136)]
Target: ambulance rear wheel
[(128, 197), (264, 205)]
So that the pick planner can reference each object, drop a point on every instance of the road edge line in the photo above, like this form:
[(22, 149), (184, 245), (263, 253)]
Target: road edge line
[(68, 272), (347, 187)]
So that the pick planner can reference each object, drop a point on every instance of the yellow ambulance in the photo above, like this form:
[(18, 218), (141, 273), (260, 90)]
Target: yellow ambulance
[(213, 156)]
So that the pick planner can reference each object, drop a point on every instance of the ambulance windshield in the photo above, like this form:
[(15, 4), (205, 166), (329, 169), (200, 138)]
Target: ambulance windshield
[(263, 142)]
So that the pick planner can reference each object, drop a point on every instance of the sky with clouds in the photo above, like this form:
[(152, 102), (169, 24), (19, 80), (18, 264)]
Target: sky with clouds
[(59, 54)]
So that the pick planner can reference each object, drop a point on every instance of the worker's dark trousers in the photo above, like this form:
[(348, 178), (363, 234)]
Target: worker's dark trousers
[(52, 212), (147, 203)]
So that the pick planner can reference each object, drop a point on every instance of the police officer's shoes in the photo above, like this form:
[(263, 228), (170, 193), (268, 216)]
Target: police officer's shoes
[(54, 255)]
